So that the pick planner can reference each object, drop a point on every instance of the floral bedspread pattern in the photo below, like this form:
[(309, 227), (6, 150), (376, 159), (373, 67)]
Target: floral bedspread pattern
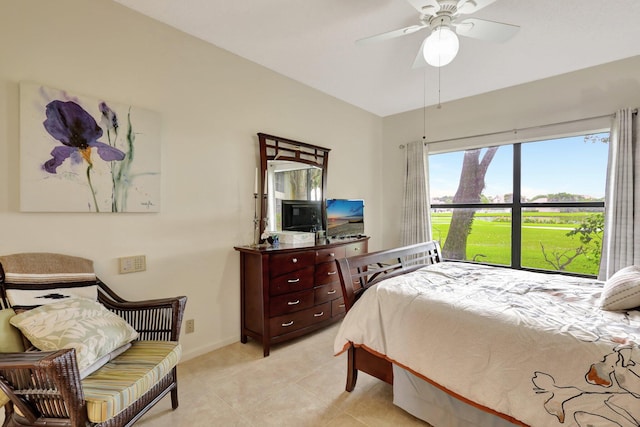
[(532, 346)]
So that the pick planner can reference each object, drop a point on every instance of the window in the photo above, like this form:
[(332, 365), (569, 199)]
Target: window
[(534, 205)]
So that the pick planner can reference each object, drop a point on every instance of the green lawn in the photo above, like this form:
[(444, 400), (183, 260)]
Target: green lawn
[(490, 238)]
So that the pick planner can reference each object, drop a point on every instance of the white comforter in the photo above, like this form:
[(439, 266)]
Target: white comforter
[(532, 346)]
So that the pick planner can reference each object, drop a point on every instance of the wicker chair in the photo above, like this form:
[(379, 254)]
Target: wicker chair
[(45, 388)]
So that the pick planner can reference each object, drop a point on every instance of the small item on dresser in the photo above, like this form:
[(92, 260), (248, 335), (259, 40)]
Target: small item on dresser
[(295, 237), (267, 240)]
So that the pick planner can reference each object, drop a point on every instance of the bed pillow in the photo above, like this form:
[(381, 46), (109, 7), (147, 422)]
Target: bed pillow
[(78, 323), (622, 290), (10, 339)]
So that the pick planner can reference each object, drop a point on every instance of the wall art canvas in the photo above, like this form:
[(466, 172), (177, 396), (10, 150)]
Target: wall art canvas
[(86, 154)]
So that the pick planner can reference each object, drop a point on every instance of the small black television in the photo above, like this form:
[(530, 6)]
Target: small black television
[(301, 215), (345, 217)]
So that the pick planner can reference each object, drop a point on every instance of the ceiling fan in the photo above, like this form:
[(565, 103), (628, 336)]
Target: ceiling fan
[(443, 18)]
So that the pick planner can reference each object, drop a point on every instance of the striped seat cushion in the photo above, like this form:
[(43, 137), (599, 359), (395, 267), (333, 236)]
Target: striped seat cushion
[(120, 382)]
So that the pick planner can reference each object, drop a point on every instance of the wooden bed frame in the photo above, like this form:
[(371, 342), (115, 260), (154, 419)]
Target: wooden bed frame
[(357, 274)]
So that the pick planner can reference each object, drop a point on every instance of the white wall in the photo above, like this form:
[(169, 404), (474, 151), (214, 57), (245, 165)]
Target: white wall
[(582, 94), (212, 104)]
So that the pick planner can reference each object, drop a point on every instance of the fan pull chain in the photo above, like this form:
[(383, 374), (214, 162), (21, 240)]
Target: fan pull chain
[(439, 105), (424, 106)]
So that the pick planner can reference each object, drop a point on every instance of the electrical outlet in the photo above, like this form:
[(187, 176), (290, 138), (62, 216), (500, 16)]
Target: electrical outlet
[(132, 264), (190, 326)]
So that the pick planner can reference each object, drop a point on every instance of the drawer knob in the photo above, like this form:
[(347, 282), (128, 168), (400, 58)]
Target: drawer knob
[(332, 291), (331, 273), (294, 260), (293, 280), (318, 314), (332, 254), (285, 325), (341, 306), (356, 249), (294, 302)]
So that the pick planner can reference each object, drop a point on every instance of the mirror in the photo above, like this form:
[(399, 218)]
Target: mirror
[(294, 177), (294, 196)]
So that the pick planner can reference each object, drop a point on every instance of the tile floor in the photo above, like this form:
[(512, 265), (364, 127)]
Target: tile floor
[(300, 384)]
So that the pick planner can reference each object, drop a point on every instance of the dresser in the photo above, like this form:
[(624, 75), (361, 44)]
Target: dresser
[(290, 290)]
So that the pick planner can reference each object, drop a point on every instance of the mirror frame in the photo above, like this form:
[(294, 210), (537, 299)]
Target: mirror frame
[(278, 148)]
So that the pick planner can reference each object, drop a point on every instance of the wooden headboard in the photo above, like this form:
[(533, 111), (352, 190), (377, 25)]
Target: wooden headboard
[(360, 272)]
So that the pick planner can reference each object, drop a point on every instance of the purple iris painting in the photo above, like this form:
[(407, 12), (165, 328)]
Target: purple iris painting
[(78, 132), (90, 155)]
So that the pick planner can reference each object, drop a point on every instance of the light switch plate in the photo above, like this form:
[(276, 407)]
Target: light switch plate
[(132, 264)]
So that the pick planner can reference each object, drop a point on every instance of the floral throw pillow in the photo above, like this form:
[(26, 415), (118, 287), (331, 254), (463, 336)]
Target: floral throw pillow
[(78, 323), (622, 290)]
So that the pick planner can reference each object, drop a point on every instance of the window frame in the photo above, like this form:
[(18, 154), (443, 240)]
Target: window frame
[(517, 206)]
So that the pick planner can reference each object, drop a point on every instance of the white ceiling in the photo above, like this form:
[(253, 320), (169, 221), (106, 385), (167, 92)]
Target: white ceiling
[(313, 42)]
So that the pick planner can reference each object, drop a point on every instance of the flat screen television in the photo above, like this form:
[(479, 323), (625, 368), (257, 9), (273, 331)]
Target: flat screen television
[(301, 215), (345, 217)]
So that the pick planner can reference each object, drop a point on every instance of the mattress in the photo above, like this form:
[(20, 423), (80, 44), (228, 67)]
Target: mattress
[(534, 348)]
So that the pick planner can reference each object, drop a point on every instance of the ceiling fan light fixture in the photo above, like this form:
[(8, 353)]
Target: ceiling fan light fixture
[(441, 47)]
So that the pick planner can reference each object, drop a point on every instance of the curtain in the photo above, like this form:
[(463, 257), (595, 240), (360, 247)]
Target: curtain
[(621, 240), (416, 216)]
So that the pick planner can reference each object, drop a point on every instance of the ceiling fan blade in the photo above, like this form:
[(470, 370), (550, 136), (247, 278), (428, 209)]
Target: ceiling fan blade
[(425, 7), (471, 6), (482, 29), (391, 34)]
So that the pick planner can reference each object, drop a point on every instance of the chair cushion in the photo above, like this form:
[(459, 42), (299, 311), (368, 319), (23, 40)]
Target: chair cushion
[(104, 359), (120, 382), (78, 323), (10, 339), (46, 268), (35, 297), (36, 278)]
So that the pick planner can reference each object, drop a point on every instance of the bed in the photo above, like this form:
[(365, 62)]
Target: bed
[(472, 345)]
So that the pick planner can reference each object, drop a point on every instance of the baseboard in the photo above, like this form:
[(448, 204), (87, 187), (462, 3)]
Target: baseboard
[(199, 351)]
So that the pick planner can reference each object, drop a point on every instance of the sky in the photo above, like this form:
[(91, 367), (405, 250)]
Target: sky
[(345, 208), (570, 165)]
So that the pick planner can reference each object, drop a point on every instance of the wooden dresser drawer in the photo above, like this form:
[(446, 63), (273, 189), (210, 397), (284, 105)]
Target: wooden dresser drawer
[(284, 263), (327, 292), (291, 302), (294, 281), (330, 255), (300, 319), (337, 307), (356, 248), (326, 272)]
